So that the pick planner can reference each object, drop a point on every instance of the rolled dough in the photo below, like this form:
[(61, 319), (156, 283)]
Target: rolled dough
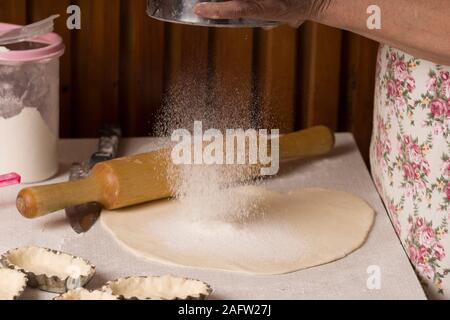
[(297, 230)]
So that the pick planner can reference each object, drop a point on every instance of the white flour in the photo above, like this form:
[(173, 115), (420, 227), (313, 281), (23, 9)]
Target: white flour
[(206, 193), (257, 240), (27, 146), (213, 217)]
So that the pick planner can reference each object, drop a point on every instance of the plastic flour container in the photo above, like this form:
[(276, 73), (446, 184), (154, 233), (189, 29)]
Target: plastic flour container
[(29, 106)]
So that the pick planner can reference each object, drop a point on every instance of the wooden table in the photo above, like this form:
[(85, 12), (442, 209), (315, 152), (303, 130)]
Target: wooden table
[(345, 279)]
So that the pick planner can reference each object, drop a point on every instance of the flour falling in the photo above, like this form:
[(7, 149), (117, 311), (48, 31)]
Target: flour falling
[(221, 218), (205, 190), (206, 193)]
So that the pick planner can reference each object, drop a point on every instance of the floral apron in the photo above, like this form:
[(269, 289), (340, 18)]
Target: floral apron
[(410, 158)]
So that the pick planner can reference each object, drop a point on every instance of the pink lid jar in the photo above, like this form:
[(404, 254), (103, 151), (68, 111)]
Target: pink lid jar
[(29, 106)]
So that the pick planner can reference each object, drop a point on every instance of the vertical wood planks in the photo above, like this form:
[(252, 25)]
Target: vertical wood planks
[(41, 9), (276, 74), (320, 75), (187, 77), (232, 76), (358, 89), (188, 52), (13, 11), (96, 66), (142, 64), (119, 65)]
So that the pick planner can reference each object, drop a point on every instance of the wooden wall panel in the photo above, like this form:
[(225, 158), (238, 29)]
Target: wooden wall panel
[(122, 66), (276, 76), (358, 83), (320, 67), (142, 64), (231, 74), (41, 9), (96, 66), (188, 53), (187, 77), (13, 11)]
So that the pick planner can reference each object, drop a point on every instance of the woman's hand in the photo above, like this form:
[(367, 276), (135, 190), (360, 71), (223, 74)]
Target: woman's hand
[(293, 12)]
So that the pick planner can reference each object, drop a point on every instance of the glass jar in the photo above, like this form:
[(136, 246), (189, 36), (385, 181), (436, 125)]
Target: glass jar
[(29, 106)]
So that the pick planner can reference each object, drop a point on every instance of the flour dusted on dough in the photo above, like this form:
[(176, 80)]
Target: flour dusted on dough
[(207, 193), (299, 230), (215, 224), (27, 146)]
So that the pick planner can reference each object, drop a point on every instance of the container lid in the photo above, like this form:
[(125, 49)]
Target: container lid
[(42, 47)]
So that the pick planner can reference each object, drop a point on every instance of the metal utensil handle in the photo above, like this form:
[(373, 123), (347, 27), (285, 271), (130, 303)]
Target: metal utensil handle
[(108, 146)]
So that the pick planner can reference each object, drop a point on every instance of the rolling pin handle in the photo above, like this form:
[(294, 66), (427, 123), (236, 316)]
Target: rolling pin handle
[(35, 202)]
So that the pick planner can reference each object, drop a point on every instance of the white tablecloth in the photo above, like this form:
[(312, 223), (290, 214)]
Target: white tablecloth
[(345, 279)]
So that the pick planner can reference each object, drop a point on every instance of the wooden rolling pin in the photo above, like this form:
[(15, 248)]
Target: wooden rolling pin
[(142, 178)]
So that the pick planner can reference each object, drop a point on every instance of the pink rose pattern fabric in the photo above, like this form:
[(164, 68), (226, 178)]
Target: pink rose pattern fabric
[(410, 158)]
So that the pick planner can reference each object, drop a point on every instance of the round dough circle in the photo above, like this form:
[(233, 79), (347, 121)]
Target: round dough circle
[(299, 230)]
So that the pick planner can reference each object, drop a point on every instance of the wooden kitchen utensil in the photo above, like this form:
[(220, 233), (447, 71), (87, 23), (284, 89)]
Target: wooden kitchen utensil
[(142, 178)]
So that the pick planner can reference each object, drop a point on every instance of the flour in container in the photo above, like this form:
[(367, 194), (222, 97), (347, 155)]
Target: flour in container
[(27, 146)]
